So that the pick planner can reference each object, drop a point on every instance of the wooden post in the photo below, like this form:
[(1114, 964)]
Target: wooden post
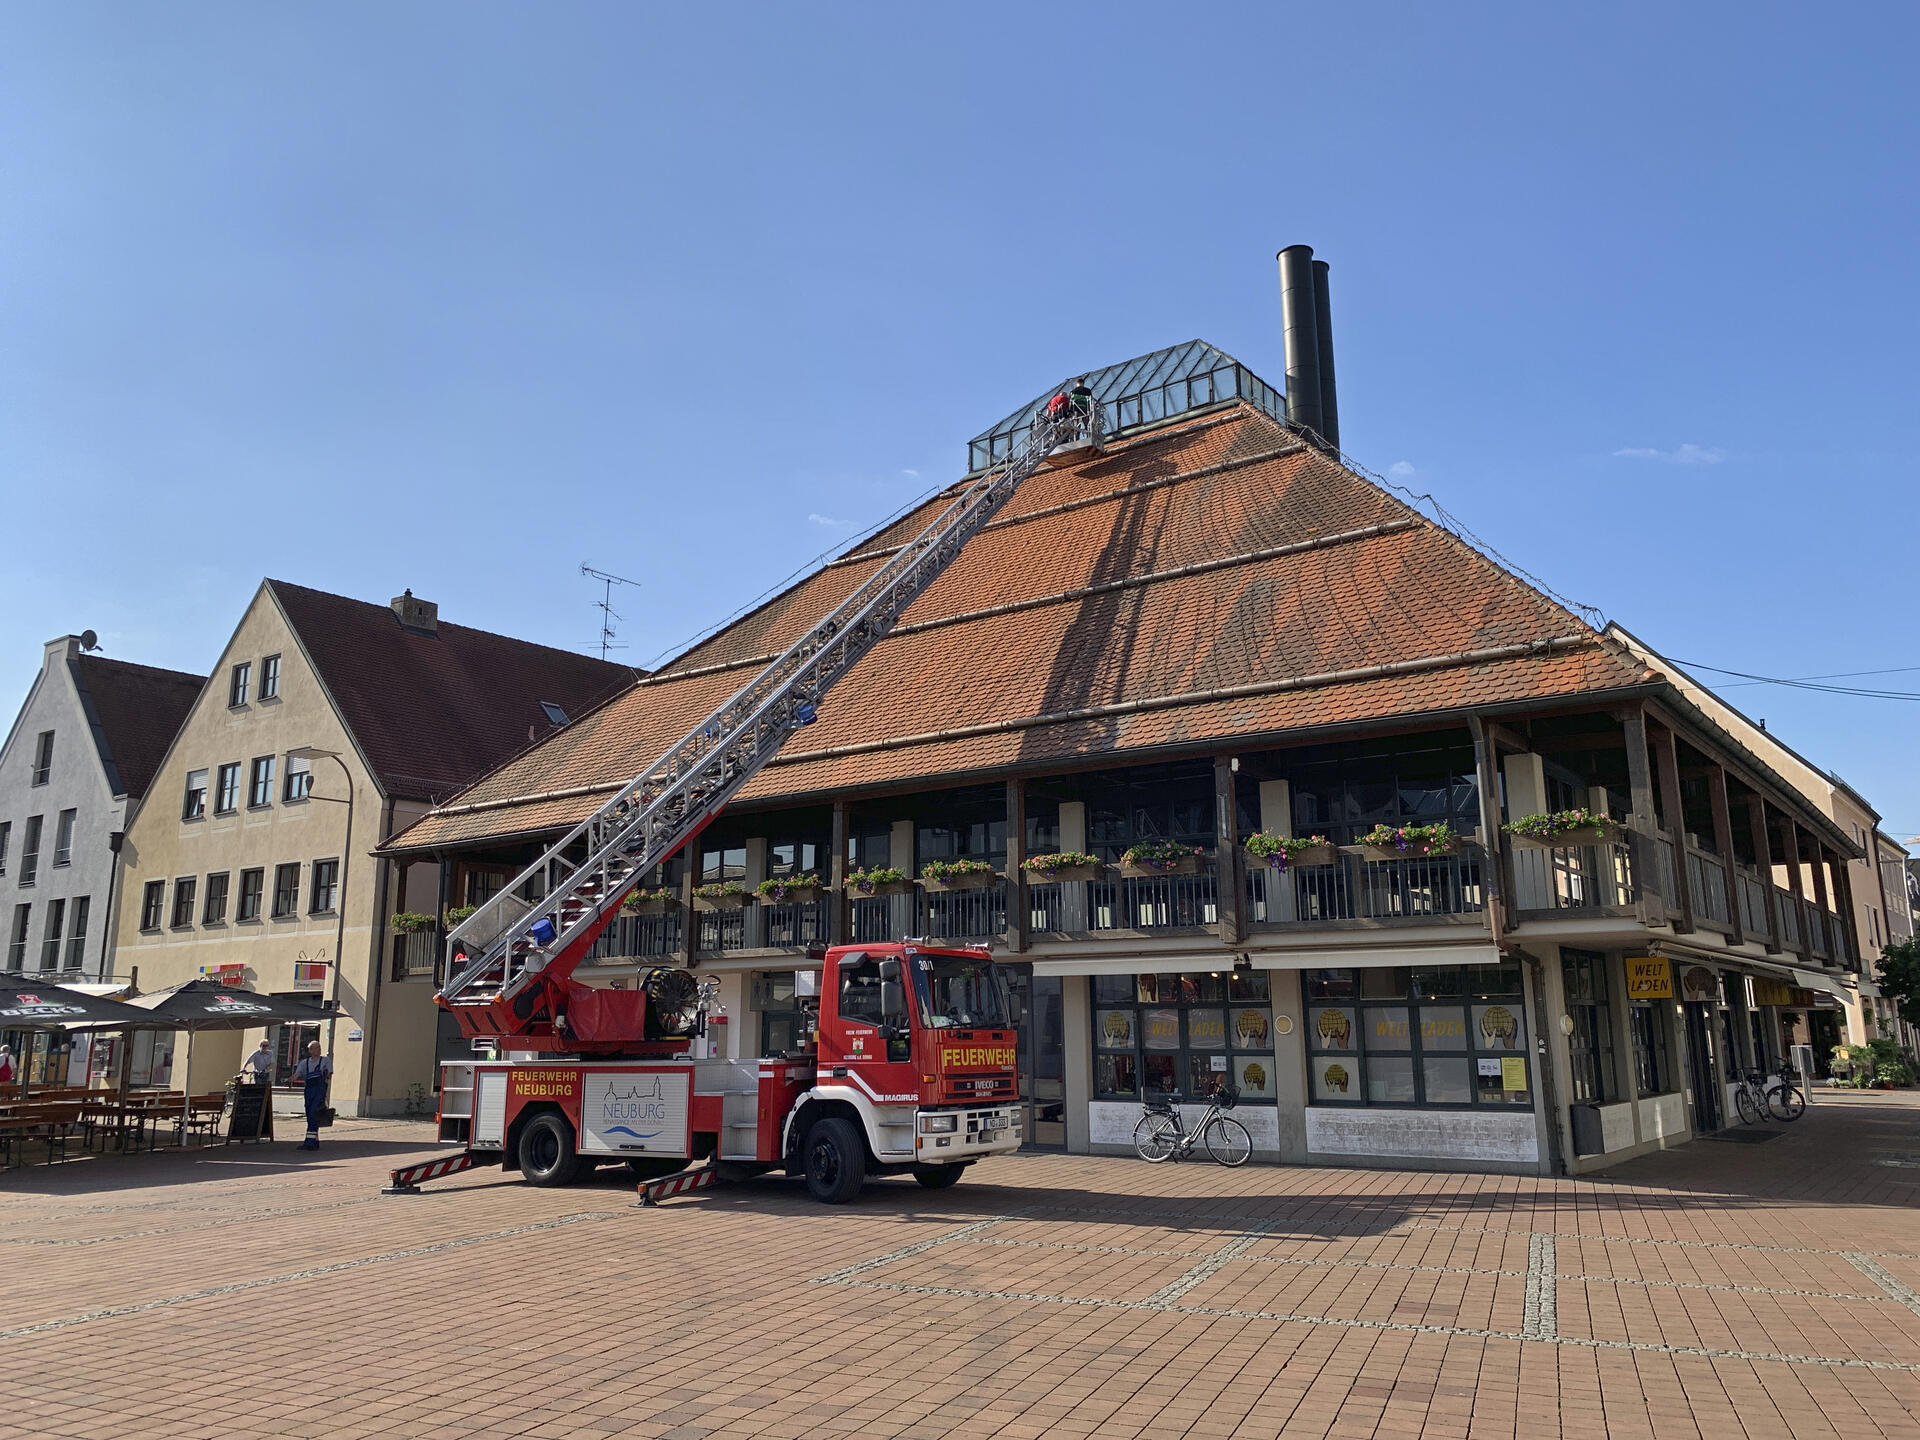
[(689, 921), (837, 896), (1821, 899), (1019, 909), (1790, 832), (1229, 883), (1723, 842), (1667, 769), (1491, 868), (1763, 862), (1848, 912), (1642, 841)]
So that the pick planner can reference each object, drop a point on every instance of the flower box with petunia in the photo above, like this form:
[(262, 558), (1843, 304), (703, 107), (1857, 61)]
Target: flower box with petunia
[(877, 880), (1161, 857), (789, 890), (943, 875), (1563, 829), (650, 902), (410, 922), (726, 895), (458, 913), (1291, 852), (1408, 842), (1063, 866)]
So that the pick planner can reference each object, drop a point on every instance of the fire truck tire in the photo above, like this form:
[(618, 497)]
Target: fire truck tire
[(836, 1161), (546, 1152), (938, 1177)]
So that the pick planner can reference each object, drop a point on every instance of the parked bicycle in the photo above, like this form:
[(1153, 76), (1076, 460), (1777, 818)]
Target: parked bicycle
[(1761, 1096), (1162, 1135)]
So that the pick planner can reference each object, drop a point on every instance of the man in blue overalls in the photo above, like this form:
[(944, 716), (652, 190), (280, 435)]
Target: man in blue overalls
[(314, 1075)]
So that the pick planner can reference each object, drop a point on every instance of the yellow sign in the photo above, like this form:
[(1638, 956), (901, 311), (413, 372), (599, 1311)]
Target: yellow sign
[(1513, 1073), (1649, 977), (1772, 992)]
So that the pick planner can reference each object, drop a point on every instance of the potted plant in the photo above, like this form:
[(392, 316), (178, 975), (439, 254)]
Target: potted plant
[(1063, 865), (789, 890), (1561, 829), (1291, 852), (458, 913), (878, 880), (1408, 842), (410, 922), (642, 901), (725, 895), (1161, 857), (942, 875)]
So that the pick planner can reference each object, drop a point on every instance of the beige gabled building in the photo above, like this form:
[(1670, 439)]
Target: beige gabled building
[(240, 863)]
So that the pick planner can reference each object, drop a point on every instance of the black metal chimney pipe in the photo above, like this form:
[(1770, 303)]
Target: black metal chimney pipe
[(1323, 322), (1299, 319)]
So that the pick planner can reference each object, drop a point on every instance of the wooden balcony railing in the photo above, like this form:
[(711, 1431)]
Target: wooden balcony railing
[(1356, 888), (1573, 877)]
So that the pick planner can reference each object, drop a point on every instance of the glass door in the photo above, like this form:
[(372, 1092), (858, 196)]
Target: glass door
[(1042, 1031)]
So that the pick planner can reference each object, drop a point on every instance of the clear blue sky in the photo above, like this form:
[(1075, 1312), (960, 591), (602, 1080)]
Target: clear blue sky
[(456, 297)]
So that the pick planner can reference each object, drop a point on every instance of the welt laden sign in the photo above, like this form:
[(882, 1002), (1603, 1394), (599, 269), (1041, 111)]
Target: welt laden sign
[(1649, 977)]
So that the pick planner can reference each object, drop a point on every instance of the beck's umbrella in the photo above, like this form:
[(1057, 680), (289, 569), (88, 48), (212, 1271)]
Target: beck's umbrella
[(25, 1005), (209, 1005)]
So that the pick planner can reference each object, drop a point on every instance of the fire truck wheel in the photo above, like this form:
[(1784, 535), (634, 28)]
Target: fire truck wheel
[(546, 1151), (938, 1177), (836, 1161)]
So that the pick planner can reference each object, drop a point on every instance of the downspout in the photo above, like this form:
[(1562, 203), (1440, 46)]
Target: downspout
[(378, 941), (115, 840)]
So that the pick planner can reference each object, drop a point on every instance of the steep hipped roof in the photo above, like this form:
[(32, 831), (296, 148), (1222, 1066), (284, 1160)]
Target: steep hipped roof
[(1215, 580), (430, 711), (134, 711)]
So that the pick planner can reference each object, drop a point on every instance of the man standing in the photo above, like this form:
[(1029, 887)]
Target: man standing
[(315, 1077)]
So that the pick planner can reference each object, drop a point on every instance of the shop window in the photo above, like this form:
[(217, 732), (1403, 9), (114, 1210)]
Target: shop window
[(1183, 1036), (1653, 1071), (1417, 1037), (1590, 1047)]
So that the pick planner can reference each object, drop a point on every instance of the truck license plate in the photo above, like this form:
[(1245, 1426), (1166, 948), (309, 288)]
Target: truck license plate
[(995, 1122)]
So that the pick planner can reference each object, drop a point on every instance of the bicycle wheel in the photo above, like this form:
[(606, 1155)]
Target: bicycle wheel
[(1155, 1137), (1787, 1103), (1228, 1141), (1743, 1102)]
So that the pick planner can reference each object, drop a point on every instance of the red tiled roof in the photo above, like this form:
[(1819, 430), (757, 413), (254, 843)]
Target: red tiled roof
[(135, 711), (1207, 582), (432, 711)]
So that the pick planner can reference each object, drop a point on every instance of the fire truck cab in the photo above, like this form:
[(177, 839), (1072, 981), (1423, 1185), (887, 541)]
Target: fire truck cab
[(909, 1067)]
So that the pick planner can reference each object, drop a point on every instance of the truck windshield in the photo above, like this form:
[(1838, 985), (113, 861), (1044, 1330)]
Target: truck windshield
[(965, 991)]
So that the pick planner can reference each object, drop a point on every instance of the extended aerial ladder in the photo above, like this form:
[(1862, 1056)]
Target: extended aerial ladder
[(510, 962)]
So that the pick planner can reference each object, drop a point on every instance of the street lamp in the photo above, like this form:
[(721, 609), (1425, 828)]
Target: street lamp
[(310, 753)]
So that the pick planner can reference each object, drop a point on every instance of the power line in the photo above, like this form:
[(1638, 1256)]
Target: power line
[(1810, 684)]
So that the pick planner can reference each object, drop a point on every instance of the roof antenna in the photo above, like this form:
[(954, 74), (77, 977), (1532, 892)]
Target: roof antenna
[(605, 606)]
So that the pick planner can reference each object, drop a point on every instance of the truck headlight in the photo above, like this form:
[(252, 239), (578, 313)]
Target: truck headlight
[(939, 1124)]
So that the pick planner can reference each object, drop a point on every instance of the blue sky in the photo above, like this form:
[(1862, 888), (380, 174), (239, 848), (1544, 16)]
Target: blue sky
[(458, 297)]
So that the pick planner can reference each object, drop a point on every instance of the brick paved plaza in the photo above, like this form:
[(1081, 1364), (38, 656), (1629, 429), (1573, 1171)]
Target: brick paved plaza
[(1722, 1290)]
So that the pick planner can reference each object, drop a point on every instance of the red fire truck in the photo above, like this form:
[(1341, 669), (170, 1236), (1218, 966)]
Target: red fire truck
[(911, 1066), (911, 1071)]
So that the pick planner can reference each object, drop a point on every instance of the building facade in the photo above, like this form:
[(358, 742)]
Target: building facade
[(1213, 630), (247, 863)]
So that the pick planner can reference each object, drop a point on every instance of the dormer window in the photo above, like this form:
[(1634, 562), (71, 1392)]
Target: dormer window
[(555, 715)]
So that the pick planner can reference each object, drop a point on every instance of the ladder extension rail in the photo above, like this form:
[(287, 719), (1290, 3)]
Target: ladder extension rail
[(494, 951)]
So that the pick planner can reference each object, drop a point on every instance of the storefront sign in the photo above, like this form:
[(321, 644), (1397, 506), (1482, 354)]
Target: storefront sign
[(1772, 992), (1115, 1029), (310, 975), (1161, 1028), (1649, 977), (1207, 1029), (235, 975), (1699, 983)]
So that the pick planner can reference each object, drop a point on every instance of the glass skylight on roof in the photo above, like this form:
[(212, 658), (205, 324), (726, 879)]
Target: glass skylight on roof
[(1141, 391), (555, 715)]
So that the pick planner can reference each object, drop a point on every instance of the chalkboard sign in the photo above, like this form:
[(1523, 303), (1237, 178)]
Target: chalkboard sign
[(250, 1117)]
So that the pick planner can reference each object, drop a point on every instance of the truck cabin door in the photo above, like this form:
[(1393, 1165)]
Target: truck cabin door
[(872, 1032)]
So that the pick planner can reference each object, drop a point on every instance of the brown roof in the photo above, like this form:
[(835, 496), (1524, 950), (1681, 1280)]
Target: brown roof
[(432, 711), (1214, 580), (135, 711)]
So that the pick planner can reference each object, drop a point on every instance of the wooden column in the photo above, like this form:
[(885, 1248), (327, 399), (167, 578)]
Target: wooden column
[(1763, 862), (1229, 881), (1019, 909), (1790, 833), (1847, 911), (1642, 841), (1492, 869), (837, 896), (689, 921), (1821, 899), (1667, 768), (1723, 842)]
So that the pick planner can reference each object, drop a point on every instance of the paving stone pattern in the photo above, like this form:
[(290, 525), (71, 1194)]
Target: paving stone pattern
[(1716, 1290)]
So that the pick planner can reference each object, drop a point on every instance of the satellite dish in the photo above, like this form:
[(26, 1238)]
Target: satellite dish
[(89, 640)]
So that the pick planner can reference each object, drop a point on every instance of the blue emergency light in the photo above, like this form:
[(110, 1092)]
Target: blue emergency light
[(541, 931)]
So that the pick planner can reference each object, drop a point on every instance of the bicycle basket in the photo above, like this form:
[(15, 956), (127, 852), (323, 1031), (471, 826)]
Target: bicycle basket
[(1226, 1097)]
